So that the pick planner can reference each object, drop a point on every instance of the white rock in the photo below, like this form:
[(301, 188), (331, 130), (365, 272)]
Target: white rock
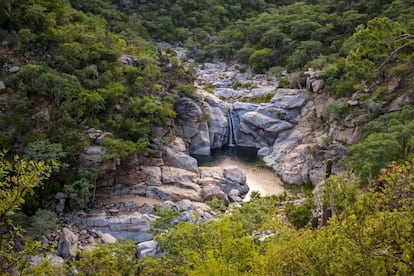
[(107, 238)]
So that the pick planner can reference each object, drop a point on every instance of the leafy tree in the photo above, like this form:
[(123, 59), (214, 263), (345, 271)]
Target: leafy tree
[(115, 148), (109, 259), (300, 215), (374, 153), (17, 179), (82, 190), (42, 222), (43, 150), (305, 52), (261, 60), (30, 73)]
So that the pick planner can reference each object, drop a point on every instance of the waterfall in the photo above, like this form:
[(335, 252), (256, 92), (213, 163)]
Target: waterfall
[(232, 142)]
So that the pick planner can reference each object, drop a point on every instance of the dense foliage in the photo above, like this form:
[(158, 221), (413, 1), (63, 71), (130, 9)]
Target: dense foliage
[(286, 33), (87, 64), (71, 78), (371, 234)]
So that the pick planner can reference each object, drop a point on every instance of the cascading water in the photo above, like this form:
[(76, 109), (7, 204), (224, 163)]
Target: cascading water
[(232, 142)]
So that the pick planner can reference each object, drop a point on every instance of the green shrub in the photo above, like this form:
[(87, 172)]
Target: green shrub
[(115, 148), (187, 90), (261, 60), (262, 98), (344, 88), (244, 54), (45, 151), (109, 259), (379, 92), (300, 215), (334, 108), (284, 83), (217, 205), (42, 222), (166, 219)]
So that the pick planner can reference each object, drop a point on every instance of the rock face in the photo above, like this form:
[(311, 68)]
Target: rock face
[(299, 155), (192, 126), (202, 125), (130, 225), (259, 125)]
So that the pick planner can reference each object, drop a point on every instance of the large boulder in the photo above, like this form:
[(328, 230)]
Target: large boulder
[(226, 178), (180, 160), (92, 155), (68, 244), (218, 126), (246, 137), (152, 175), (271, 126), (211, 190), (235, 175), (177, 176), (147, 248), (289, 98)]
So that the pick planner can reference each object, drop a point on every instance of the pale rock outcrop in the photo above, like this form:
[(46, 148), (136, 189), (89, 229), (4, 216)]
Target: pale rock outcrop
[(152, 175), (202, 125), (299, 155), (172, 175), (131, 225), (178, 145), (2, 86), (289, 98), (68, 244), (191, 126), (179, 159), (218, 126), (210, 191), (147, 248), (225, 93), (107, 238), (173, 193), (227, 178), (93, 155)]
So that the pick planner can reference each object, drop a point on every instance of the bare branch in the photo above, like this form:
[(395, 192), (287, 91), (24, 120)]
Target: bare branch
[(394, 53)]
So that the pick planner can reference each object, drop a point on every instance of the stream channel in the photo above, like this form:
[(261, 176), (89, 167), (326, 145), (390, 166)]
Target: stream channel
[(259, 177)]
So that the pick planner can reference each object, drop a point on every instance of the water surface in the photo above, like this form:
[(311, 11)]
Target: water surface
[(259, 177)]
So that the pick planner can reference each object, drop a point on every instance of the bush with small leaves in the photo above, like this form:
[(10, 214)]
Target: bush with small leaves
[(42, 223)]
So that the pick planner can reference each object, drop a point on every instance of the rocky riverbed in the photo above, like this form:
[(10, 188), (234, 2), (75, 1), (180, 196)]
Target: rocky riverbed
[(291, 132)]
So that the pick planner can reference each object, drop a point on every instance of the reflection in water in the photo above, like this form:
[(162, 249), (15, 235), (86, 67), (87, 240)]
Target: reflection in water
[(259, 178)]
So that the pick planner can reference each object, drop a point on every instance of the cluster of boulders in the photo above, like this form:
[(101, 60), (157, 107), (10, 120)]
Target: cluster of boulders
[(68, 241), (167, 177), (291, 131)]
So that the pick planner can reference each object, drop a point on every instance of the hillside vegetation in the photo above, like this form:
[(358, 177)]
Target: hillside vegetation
[(71, 65)]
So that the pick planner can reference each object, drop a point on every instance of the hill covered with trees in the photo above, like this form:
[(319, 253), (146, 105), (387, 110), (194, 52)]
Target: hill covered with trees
[(72, 65)]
